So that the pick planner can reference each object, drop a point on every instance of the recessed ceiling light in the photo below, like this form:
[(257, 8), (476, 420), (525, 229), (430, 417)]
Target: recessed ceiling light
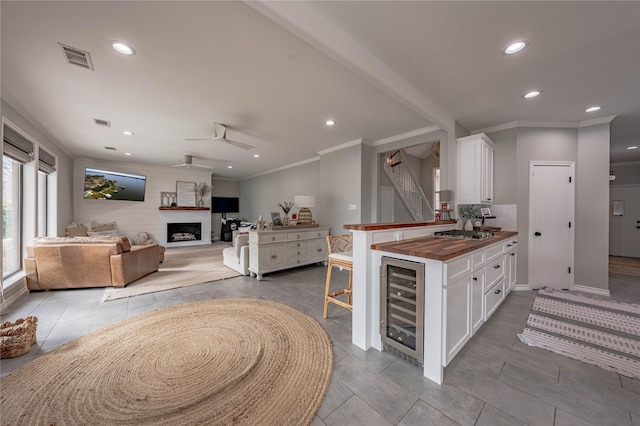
[(515, 47), (123, 48), (128, 154), (633, 147), (127, 132), (593, 109), (330, 123), (256, 155), (229, 167), (532, 94)]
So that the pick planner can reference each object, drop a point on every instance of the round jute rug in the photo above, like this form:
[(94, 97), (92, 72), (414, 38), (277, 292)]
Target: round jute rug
[(233, 361)]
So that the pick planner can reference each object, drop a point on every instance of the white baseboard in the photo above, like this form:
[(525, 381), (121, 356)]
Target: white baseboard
[(521, 287), (4, 307), (592, 290)]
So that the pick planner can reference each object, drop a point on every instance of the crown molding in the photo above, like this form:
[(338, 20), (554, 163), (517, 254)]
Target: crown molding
[(402, 136), (288, 166), (341, 146), (555, 124)]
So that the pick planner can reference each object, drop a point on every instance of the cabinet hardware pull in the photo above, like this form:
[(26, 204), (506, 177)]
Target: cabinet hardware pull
[(274, 256), (513, 254), (298, 253), (497, 291), (475, 278), (298, 244), (508, 245), (273, 238), (496, 266), (537, 234)]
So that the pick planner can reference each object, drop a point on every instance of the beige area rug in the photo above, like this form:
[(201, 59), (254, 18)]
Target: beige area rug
[(182, 267), (218, 362)]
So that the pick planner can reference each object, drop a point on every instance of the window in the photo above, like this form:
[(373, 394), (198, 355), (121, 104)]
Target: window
[(11, 216), (41, 230), (436, 188)]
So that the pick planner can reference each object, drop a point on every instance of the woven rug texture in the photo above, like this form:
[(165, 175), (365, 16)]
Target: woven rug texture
[(216, 362), (599, 332), (182, 267)]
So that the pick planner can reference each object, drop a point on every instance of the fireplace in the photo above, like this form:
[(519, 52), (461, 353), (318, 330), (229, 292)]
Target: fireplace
[(180, 232)]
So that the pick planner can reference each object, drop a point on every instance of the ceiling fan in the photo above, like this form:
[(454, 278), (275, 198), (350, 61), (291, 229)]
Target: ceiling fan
[(188, 163), (220, 133)]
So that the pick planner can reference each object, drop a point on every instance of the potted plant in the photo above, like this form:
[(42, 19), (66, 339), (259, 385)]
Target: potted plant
[(468, 214), (202, 190), (286, 207)]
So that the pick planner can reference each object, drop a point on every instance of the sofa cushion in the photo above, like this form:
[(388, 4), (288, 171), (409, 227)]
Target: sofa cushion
[(122, 243), (231, 255), (112, 233), (111, 226), (76, 231)]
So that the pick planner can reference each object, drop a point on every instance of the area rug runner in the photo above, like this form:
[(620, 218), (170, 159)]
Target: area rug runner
[(599, 332), (182, 267), (218, 362)]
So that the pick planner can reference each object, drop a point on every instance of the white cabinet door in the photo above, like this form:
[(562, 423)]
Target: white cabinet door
[(272, 256), (487, 173), (458, 323), (477, 300), (475, 170), (512, 261)]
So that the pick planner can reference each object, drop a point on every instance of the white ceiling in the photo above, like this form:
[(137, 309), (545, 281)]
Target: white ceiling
[(275, 71)]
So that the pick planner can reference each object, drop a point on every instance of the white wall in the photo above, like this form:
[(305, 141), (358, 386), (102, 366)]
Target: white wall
[(626, 173), (260, 195), (132, 216)]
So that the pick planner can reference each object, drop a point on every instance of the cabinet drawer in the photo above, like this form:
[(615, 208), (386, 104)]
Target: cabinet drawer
[(510, 245), (307, 235), (297, 252), (492, 299), (293, 245), (494, 251), (458, 268), (271, 238), (494, 272)]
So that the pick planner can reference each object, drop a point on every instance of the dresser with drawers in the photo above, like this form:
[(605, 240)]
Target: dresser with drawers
[(271, 251)]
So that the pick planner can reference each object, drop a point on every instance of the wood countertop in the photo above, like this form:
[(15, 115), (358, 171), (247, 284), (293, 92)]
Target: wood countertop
[(380, 226), (440, 248)]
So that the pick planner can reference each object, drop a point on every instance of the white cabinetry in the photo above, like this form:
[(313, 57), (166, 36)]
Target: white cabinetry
[(271, 251), (475, 286), (475, 170), (512, 261)]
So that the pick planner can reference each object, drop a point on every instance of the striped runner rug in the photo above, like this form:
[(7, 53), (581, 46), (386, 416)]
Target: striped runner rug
[(599, 332)]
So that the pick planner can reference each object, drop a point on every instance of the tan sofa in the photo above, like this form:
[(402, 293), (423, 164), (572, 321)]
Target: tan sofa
[(62, 262)]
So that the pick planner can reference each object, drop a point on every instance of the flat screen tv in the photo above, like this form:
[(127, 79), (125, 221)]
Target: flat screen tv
[(108, 185), (225, 205)]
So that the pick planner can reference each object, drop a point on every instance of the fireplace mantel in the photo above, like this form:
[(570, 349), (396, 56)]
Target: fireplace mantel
[(182, 208)]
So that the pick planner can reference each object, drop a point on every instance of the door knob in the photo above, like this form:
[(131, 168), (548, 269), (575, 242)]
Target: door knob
[(537, 234)]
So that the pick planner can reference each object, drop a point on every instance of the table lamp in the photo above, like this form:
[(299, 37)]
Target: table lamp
[(305, 202)]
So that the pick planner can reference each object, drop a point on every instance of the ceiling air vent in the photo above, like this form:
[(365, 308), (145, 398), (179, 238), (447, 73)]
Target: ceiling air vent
[(99, 122), (110, 148), (77, 57)]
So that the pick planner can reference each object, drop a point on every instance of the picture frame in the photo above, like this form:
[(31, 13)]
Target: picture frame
[(294, 216), (485, 211), (275, 216), (185, 194)]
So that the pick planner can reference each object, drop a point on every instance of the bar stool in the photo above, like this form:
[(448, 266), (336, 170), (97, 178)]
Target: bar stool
[(340, 255)]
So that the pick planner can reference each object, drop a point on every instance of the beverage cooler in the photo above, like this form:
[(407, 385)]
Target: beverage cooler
[(402, 309)]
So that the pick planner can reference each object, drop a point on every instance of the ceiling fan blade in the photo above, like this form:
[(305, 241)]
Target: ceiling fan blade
[(220, 131), (239, 144), (197, 139)]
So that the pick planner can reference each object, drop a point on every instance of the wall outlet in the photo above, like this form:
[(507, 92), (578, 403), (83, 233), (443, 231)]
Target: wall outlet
[(351, 206)]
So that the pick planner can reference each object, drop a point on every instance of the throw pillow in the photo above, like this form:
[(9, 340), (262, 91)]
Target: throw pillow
[(74, 230), (111, 226), (113, 233)]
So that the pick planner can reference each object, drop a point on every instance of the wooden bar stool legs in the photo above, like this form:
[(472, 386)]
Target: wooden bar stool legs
[(340, 255)]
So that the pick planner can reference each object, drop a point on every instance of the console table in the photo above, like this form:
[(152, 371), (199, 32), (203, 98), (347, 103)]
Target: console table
[(271, 251)]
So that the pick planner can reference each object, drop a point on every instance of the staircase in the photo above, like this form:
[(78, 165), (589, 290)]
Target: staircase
[(409, 189)]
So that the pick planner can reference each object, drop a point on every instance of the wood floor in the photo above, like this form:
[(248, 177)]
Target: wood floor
[(624, 266)]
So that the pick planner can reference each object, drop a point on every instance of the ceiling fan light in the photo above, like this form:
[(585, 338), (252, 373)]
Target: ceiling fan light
[(330, 122), (593, 108), (532, 94)]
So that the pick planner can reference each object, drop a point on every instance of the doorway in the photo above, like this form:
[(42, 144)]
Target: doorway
[(624, 222), (551, 220)]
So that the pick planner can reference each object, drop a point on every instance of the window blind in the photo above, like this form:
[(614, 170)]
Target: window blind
[(46, 161), (17, 146)]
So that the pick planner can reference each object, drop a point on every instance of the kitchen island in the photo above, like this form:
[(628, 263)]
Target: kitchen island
[(464, 282)]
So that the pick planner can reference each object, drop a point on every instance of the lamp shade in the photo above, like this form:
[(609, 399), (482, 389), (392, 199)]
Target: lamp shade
[(446, 195), (308, 201)]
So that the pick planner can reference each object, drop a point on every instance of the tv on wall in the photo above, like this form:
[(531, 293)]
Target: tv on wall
[(108, 185), (225, 205)]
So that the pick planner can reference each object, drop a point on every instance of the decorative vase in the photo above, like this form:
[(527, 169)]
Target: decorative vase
[(468, 225)]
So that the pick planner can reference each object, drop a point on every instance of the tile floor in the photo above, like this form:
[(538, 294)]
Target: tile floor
[(495, 380)]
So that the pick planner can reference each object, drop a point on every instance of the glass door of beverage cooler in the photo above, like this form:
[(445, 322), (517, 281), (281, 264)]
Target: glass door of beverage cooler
[(402, 306)]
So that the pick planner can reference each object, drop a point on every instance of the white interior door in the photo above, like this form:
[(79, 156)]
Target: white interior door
[(551, 202), (386, 204), (624, 222)]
